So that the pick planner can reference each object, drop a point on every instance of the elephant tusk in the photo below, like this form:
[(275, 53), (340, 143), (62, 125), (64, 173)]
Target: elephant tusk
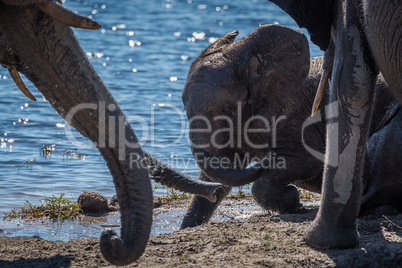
[(20, 84), (320, 91), (64, 15)]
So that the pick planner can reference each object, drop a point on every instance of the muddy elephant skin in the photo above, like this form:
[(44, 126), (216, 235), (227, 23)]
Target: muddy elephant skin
[(297, 146), (363, 38)]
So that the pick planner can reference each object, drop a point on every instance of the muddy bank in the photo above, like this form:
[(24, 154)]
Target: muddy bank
[(263, 240)]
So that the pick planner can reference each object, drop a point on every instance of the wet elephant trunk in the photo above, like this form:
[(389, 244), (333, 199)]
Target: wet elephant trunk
[(167, 175), (50, 56), (218, 169)]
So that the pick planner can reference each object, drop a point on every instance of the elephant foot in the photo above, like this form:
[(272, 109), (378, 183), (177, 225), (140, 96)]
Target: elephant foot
[(284, 201), (324, 236), (198, 213), (201, 209)]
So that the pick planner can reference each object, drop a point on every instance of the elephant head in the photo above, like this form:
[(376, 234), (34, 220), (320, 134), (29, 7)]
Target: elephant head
[(233, 81), (36, 40)]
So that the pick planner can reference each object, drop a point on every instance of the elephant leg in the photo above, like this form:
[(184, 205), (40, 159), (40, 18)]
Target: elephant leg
[(274, 191), (273, 196), (201, 209), (383, 30), (351, 101), (384, 169)]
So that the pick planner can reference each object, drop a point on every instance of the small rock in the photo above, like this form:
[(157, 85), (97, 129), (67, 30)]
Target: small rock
[(113, 204), (92, 202), (157, 202)]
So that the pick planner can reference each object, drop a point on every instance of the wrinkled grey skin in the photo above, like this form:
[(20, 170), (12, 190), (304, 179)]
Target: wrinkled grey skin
[(243, 72), (366, 37), (247, 75), (295, 134), (47, 53)]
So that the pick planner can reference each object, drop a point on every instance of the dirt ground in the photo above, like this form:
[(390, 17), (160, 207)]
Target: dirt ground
[(263, 240)]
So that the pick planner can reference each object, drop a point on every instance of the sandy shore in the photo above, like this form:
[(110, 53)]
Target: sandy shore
[(263, 240)]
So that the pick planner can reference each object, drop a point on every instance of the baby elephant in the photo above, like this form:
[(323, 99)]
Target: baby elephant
[(250, 101)]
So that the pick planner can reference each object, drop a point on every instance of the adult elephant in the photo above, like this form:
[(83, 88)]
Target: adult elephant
[(35, 40), (364, 37), (252, 98)]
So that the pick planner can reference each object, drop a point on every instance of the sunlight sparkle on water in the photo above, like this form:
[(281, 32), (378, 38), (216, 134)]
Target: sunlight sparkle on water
[(133, 43), (121, 26), (98, 55), (199, 36), (212, 39)]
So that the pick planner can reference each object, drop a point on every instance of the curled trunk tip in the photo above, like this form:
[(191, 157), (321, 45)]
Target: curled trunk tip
[(115, 251)]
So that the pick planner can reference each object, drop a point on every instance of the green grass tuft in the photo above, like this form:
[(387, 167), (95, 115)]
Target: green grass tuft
[(51, 208)]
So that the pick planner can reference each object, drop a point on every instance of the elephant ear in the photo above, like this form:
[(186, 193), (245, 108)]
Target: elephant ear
[(220, 44), (278, 65), (314, 15), (215, 47)]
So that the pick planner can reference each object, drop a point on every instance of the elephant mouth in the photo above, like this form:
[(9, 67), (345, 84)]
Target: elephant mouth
[(61, 14), (219, 169)]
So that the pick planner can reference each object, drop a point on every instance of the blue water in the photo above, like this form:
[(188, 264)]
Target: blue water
[(142, 53)]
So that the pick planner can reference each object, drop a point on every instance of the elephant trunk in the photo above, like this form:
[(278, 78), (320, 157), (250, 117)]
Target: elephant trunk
[(167, 175), (219, 170), (48, 53)]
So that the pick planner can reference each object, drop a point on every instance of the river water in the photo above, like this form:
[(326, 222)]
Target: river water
[(142, 53)]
